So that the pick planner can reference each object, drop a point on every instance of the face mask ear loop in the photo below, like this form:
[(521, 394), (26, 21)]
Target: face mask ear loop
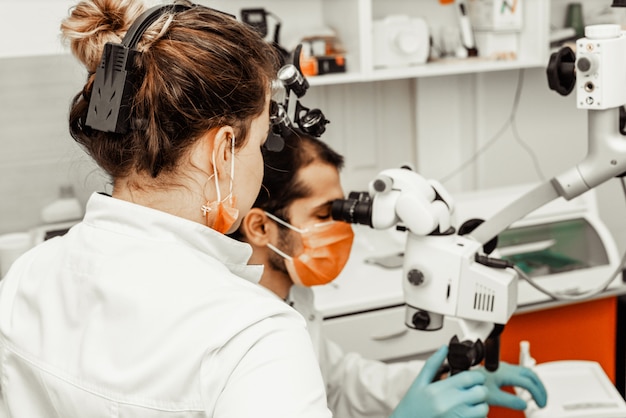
[(217, 184), (283, 223), (232, 168), (279, 252)]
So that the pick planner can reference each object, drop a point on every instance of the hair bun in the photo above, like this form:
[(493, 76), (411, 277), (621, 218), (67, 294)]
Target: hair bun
[(93, 23)]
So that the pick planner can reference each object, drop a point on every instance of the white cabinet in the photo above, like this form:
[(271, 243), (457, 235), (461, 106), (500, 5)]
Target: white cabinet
[(353, 20)]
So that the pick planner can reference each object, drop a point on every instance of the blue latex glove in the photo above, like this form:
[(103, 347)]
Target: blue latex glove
[(460, 396), (510, 375)]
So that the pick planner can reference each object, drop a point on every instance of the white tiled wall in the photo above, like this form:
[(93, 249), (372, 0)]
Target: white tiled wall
[(37, 154), (370, 124)]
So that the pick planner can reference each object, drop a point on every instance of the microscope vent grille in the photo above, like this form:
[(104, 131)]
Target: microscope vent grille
[(484, 299)]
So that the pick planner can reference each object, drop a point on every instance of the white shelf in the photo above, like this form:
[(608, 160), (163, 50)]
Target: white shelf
[(442, 68), (353, 22)]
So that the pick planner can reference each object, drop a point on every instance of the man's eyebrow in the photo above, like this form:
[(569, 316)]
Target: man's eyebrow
[(324, 205)]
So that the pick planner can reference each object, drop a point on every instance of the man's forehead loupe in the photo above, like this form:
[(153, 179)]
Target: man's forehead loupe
[(289, 114)]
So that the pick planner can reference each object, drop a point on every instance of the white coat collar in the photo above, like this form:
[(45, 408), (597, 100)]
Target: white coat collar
[(131, 219)]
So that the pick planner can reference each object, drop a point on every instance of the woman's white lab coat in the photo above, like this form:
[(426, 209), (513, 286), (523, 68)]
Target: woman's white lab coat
[(356, 387), (138, 313)]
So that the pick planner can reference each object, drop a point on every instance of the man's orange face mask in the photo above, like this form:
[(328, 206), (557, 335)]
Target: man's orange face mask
[(326, 249)]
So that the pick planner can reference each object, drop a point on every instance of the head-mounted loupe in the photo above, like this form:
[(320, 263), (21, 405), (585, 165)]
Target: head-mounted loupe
[(290, 114), (293, 79), (116, 80)]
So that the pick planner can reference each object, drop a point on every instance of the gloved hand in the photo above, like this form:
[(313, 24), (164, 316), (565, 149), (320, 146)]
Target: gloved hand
[(511, 375), (460, 396)]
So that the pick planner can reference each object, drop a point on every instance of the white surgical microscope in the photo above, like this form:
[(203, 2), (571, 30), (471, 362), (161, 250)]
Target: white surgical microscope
[(448, 272)]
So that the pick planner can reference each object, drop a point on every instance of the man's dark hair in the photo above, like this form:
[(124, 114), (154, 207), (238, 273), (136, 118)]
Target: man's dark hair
[(281, 184)]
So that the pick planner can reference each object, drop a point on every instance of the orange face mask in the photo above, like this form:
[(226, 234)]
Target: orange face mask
[(222, 214), (326, 249)]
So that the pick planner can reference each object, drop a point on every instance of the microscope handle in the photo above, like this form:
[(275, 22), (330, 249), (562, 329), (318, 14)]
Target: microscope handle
[(492, 348)]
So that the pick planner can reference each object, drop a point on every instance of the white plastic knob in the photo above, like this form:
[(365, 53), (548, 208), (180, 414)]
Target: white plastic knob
[(603, 31), (381, 184), (407, 41)]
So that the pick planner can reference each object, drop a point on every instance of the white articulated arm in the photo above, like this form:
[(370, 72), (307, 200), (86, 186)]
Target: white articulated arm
[(403, 196)]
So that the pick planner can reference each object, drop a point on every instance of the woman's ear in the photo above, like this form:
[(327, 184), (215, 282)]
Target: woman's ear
[(214, 148), (222, 152), (256, 227)]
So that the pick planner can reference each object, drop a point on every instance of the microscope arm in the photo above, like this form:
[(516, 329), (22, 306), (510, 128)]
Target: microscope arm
[(606, 158), (601, 90), (595, 72)]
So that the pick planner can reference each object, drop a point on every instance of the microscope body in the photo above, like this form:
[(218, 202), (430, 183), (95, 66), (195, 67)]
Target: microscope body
[(443, 274), (442, 277), (600, 63)]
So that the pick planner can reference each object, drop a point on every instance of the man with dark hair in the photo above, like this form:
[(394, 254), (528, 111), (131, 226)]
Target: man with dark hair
[(293, 235)]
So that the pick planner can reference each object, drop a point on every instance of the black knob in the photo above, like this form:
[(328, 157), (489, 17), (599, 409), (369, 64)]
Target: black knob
[(464, 354), (583, 64), (470, 225), (421, 320), (379, 185), (619, 3), (313, 122), (415, 276), (560, 71)]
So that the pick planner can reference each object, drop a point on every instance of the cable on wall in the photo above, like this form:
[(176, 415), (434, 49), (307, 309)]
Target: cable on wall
[(509, 123)]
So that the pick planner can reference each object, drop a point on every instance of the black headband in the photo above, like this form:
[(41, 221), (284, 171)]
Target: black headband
[(115, 82)]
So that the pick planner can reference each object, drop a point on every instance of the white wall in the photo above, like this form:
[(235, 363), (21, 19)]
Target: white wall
[(31, 27), (37, 154)]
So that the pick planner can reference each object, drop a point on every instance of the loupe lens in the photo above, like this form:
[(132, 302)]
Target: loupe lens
[(291, 78), (313, 122)]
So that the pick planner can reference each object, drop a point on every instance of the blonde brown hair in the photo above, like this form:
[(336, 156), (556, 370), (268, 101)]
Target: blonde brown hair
[(199, 69)]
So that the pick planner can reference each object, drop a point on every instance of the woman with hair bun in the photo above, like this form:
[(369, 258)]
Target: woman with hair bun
[(146, 308)]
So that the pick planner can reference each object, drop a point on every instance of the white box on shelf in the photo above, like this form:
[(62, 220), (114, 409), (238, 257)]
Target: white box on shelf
[(497, 45), (496, 15), (400, 41)]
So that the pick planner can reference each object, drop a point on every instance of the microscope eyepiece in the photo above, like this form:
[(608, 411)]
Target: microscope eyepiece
[(356, 209)]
